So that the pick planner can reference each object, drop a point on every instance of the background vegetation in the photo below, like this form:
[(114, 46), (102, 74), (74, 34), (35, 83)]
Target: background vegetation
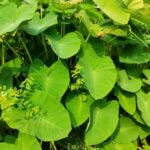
[(74, 75)]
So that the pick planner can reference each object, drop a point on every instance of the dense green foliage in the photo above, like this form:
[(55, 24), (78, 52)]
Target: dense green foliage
[(75, 75)]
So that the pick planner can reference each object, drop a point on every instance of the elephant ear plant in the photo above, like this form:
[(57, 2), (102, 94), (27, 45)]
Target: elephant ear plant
[(74, 74)]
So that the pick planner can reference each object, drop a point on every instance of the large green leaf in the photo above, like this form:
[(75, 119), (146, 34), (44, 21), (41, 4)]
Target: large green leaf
[(134, 55), (115, 10), (141, 16), (128, 131), (120, 146), (127, 101), (52, 82), (78, 106), (143, 102), (37, 25), (24, 142), (6, 146), (27, 142), (103, 121), (134, 4), (96, 30), (99, 73), (50, 124), (130, 82), (11, 16), (48, 119), (64, 47)]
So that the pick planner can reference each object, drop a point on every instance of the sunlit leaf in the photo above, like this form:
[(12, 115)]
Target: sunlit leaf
[(115, 10), (66, 46), (48, 119), (143, 103), (99, 73), (134, 4), (6, 146), (37, 25), (130, 82), (128, 131), (120, 146), (127, 101), (103, 121), (11, 16), (27, 142)]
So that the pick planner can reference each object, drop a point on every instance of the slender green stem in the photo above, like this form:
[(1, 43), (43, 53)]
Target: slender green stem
[(13, 50), (53, 144), (87, 38), (3, 54), (62, 29), (26, 50), (44, 44)]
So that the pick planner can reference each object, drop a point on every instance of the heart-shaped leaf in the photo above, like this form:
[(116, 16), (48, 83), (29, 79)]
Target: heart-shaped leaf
[(64, 47), (103, 121), (37, 25), (99, 73), (11, 16)]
